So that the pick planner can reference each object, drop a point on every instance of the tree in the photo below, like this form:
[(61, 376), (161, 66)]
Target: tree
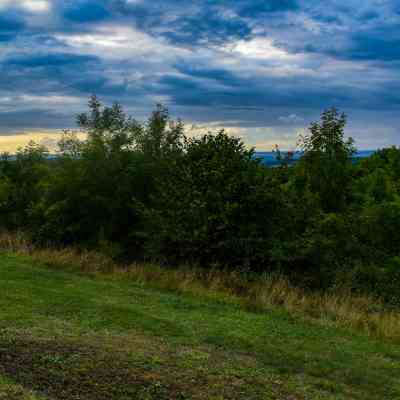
[(108, 127), (22, 179), (214, 206), (161, 137), (325, 167), (100, 186), (89, 195)]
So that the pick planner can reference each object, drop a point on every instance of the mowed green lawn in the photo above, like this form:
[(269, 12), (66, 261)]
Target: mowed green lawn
[(69, 336)]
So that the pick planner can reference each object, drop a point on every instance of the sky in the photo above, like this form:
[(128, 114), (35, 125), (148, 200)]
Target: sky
[(262, 69)]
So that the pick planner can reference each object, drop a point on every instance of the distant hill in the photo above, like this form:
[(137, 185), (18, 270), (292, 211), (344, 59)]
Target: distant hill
[(269, 157)]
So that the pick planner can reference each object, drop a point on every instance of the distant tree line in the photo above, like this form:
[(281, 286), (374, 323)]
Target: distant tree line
[(146, 191)]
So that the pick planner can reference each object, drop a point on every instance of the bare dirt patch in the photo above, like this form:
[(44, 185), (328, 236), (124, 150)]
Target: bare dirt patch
[(64, 371)]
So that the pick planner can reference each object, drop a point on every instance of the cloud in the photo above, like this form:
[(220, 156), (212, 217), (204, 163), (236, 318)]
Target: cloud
[(262, 68), (34, 6), (206, 28), (291, 119), (112, 41)]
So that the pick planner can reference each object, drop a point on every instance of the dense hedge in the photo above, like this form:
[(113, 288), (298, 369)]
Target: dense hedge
[(146, 191)]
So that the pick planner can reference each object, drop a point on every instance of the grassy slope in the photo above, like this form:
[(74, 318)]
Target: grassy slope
[(68, 336)]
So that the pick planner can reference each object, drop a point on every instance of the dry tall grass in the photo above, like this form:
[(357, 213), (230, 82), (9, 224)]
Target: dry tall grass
[(361, 313)]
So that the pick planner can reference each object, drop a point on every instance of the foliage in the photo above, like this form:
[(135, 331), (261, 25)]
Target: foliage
[(217, 205), (326, 163), (145, 191), (21, 181)]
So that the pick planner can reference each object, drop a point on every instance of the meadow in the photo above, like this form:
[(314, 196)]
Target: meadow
[(69, 335)]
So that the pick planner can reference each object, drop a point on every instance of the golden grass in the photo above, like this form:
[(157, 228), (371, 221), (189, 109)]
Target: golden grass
[(344, 309)]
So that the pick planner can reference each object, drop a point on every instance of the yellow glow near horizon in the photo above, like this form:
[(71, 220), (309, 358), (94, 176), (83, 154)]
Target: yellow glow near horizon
[(11, 143), (263, 139)]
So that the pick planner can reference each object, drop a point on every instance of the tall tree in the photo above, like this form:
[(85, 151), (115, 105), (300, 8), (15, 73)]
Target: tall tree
[(326, 164)]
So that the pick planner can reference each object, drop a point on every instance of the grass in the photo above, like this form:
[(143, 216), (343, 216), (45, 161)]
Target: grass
[(12, 391), (339, 308), (65, 335)]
